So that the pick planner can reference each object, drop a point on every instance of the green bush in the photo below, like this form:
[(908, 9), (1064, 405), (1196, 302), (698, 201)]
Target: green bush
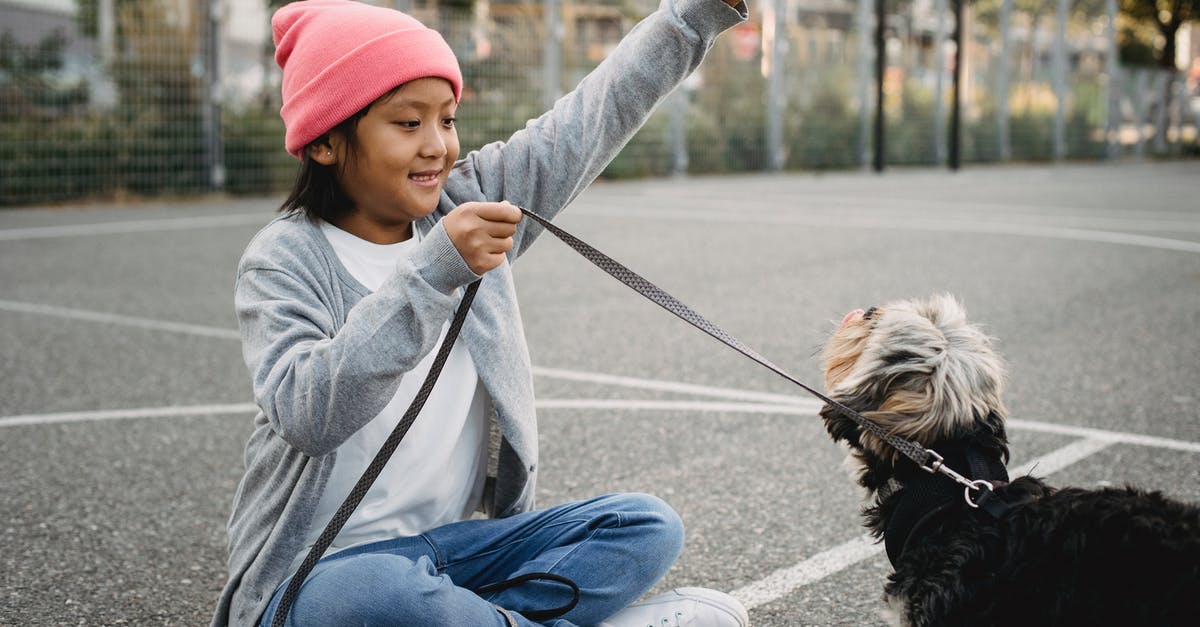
[(254, 157), (823, 132)]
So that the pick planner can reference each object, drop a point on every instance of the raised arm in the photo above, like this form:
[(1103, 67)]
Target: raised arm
[(544, 166)]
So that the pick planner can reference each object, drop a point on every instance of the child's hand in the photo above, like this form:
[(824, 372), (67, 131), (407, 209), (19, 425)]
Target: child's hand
[(482, 232)]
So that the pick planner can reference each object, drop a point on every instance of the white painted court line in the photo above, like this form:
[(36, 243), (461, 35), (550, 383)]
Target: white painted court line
[(110, 318), (784, 581), (178, 411), (948, 225), (607, 404), (175, 411), (671, 386), (134, 226), (1100, 434)]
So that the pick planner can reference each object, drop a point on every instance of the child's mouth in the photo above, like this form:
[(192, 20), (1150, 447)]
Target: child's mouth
[(429, 178)]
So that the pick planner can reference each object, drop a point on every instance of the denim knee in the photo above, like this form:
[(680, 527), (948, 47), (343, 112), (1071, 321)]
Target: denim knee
[(356, 588), (660, 522)]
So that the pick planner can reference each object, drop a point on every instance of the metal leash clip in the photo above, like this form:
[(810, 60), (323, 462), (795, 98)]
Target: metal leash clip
[(938, 465)]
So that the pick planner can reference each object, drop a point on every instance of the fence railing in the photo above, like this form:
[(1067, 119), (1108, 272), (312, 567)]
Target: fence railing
[(103, 99)]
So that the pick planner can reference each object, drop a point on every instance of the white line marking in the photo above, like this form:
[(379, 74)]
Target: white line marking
[(693, 406), (1059, 459), (913, 224), (176, 411), (783, 581), (1111, 436), (134, 226), (669, 386), (110, 318)]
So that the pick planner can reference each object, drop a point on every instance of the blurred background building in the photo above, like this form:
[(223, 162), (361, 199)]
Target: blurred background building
[(111, 99)]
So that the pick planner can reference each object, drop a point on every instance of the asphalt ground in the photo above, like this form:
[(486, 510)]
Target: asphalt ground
[(124, 402)]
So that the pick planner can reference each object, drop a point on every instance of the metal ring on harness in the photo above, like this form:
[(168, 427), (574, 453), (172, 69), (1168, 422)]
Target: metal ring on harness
[(978, 484)]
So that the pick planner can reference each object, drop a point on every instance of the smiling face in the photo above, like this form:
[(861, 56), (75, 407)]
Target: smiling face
[(403, 150)]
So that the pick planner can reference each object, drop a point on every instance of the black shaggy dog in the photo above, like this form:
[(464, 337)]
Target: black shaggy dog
[(1031, 554)]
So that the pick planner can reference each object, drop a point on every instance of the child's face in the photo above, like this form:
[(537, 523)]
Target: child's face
[(406, 145)]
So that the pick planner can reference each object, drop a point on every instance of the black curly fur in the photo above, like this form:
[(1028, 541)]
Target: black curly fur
[(1068, 557), (1063, 557)]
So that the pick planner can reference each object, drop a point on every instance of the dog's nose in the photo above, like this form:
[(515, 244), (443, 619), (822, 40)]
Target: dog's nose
[(852, 315)]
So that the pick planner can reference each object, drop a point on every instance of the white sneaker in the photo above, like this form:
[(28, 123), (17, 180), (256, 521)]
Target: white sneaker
[(683, 607)]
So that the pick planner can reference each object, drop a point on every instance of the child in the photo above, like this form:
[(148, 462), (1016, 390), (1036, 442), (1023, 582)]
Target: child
[(344, 298)]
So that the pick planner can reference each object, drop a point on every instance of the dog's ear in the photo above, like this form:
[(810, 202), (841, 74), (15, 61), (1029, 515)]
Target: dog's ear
[(992, 430), (871, 461), (840, 427)]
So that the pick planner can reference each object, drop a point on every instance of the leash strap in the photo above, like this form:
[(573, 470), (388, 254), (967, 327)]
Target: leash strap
[(913, 450), (536, 615), (381, 458)]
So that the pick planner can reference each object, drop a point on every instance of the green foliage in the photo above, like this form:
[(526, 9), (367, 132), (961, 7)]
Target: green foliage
[(254, 157), (1166, 16), (30, 86), (74, 164), (824, 130)]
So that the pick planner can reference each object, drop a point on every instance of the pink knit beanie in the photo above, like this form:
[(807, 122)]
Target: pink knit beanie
[(338, 56)]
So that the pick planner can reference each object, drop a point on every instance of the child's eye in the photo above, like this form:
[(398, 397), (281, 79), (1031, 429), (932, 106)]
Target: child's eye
[(408, 123), (449, 121)]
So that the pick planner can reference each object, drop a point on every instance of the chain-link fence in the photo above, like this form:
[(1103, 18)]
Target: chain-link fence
[(103, 99)]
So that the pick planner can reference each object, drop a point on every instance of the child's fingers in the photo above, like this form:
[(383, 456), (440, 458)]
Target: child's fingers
[(503, 211), (483, 232)]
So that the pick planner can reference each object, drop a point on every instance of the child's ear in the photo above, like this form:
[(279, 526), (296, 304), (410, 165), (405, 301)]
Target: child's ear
[(322, 151)]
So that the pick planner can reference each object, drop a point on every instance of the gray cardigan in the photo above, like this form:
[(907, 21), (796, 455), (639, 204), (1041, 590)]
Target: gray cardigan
[(326, 355)]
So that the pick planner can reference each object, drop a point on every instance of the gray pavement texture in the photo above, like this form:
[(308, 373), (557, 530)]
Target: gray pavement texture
[(114, 504)]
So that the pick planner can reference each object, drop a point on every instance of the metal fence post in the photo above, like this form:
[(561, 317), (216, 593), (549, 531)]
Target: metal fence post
[(880, 66), (552, 53), (1002, 133), (956, 99), (678, 105), (939, 99), (1060, 82), (210, 93), (1112, 86), (862, 27), (773, 71)]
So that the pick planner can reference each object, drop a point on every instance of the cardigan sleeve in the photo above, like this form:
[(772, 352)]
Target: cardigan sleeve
[(317, 380), (544, 166)]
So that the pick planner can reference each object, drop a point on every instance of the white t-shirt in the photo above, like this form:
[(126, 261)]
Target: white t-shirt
[(436, 475)]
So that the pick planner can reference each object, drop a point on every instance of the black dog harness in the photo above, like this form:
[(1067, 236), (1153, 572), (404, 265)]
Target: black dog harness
[(924, 497)]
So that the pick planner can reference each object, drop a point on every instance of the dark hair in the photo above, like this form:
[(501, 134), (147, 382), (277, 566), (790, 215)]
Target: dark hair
[(317, 192)]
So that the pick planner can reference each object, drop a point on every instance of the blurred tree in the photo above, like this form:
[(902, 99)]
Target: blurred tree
[(28, 87), (1167, 16)]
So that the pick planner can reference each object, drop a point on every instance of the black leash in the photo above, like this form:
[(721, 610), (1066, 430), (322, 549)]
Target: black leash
[(376, 466), (927, 459)]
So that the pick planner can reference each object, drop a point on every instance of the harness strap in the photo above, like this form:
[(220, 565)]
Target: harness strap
[(923, 497)]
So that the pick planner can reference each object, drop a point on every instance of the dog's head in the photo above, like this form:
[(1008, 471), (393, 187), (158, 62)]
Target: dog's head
[(918, 369)]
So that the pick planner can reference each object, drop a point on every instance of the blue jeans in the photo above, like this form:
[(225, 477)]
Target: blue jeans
[(613, 547)]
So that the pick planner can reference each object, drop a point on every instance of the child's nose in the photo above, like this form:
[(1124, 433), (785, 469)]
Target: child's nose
[(433, 144)]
